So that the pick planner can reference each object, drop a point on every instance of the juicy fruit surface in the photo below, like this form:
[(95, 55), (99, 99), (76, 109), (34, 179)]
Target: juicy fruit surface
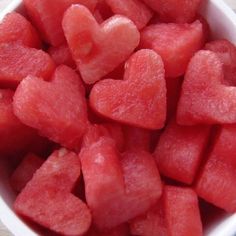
[(204, 98), (180, 150), (47, 16), (62, 114), (16, 63), (15, 27), (25, 171), (178, 11), (182, 211), (175, 43), (139, 99), (98, 49), (133, 9), (111, 178), (218, 176), (226, 51)]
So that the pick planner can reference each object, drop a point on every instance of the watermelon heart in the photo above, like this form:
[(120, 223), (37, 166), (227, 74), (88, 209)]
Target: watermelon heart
[(98, 49), (139, 99), (204, 98)]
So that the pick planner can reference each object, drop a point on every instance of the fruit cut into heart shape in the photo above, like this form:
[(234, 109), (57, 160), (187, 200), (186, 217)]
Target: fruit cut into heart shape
[(204, 98), (98, 49), (139, 99)]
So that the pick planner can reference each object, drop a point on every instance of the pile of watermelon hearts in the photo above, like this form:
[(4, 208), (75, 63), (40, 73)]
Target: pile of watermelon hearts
[(117, 116)]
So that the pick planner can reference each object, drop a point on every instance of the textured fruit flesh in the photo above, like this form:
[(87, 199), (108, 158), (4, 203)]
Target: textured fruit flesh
[(15, 27), (176, 44), (47, 16), (16, 63), (61, 116), (180, 150), (52, 205)]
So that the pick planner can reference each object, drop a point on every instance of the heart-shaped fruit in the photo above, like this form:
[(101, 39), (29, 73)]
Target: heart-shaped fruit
[(118, 181), (47, 198), (204, 98), (98, 49), (139, 99), (57, 108)]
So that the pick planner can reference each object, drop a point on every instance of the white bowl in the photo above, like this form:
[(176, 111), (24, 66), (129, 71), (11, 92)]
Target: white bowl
[(223, 24)]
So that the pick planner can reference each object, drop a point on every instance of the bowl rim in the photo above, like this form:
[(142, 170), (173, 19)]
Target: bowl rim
[(18, 227)]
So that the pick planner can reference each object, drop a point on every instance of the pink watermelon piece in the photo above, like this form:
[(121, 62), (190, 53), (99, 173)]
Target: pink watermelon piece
[(52, 205), (226, 51), (47, 17), (140, 104), (25, 171), (182, 211), (175, 11), (35, 109), (204, 98), (11, 129), (180, 151), (119, 182), (98, 49), (15, 27), (217, 179), (137, 138), (172, 40), (16, 63), (151, 223), (61, 55), (135, 10)]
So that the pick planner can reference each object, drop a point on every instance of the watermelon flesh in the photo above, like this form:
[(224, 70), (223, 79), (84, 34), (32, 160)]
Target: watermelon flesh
[(52, 205), (204, 98), (15, 27), (47, 16), (180, 151), (135, 10), (217, 179), (172, 40), (14, 58), (98, 49), (41, 112), (118, 182), (175, 11), (226, 51), (140, 98), (182, 211), (25, 171), (61, 55)]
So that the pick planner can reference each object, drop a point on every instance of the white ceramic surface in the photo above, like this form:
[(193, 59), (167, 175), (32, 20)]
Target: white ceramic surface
[(223, 23)]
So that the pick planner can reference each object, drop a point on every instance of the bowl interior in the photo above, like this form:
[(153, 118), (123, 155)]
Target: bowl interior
[(223, 24)]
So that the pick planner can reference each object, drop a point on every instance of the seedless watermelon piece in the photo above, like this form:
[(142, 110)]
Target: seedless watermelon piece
[(102, 11), (138, 100), (204, 99), (25, 171), (61, 115), (61, 55), (15, 137), (176, 11), (135, 10), (98, 49), (216, 181), (171, 41), (137, 138), (47, 200), (180, 151), (47, 16), (226, 51), (151, 223), (182, 211), (119, 182), (16, 63), (15, 27)]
